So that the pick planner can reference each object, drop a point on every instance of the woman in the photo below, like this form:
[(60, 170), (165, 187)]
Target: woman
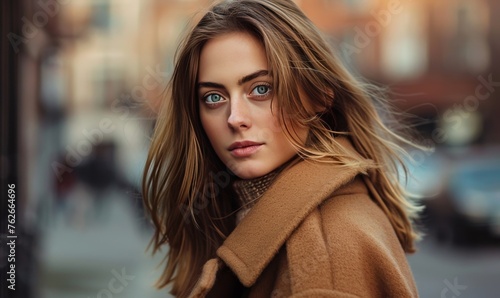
[(270, 171)]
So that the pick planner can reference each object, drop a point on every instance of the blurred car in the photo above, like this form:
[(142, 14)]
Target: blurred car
[(425, 175), (468, 209)]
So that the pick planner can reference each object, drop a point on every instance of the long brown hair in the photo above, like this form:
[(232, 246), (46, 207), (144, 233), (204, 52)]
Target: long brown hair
[(187, 188)]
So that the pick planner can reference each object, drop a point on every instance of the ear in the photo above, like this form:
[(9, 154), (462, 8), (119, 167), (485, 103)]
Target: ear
[(328, 102), (330, 93), (315, 107)]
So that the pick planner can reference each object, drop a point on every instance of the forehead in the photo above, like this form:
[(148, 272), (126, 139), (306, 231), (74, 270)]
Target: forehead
[(231, 56)]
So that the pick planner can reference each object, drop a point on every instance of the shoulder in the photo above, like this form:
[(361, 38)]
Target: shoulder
[(349, 217), (351, 210), (350, 238)]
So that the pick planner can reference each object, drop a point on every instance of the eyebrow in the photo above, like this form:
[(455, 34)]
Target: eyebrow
[(245, 79)]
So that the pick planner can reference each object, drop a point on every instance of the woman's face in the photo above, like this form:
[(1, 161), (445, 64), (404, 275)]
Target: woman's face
[(235, 92)]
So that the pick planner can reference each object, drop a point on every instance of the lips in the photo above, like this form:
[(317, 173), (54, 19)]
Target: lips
[(244, 149)]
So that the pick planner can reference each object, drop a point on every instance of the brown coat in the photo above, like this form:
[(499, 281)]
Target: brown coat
[(314, 233)]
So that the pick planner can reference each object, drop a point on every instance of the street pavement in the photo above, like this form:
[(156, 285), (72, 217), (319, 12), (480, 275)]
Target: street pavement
[(446, 271), (105, 256), (102, 256)]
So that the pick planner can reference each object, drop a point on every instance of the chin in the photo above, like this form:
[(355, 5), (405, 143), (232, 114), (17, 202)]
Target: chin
[(249, 169), (247, 175), (252, 173)]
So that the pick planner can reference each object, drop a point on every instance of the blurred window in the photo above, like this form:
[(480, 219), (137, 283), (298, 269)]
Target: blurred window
[(404, 43), (464, 129), (101, 14), (107, 83), (358, 50), (53, 82), (359, 6), (468, 35)]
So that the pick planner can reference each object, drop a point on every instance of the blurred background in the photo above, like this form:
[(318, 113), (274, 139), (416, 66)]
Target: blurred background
[(81, 81)]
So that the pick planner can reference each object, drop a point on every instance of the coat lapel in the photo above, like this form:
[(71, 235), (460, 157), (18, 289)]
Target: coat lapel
[(294, 194)]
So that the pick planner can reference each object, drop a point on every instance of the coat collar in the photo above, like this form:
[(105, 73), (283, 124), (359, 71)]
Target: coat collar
[(293, 195)]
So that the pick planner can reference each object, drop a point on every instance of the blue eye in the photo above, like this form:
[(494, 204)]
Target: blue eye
[(261, 90), (213, 98)]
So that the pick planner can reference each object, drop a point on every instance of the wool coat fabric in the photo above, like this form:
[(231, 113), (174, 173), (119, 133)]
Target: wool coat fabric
[(315, 232)]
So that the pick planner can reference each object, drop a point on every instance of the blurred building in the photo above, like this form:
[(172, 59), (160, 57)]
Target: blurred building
[(90, 60), (435, 56)]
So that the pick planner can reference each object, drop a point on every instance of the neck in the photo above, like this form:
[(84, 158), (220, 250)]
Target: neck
[(250, 190)]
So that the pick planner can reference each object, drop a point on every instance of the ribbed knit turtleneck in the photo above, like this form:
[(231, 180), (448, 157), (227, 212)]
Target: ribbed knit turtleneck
[(249, 191)]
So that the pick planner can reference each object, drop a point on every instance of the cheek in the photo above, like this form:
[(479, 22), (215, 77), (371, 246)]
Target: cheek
[(204, 122), (212, 129), (296, 131), (297, 134), (269, 120), (207, 125)]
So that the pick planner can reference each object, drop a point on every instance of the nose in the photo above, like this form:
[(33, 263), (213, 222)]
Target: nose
[(239, 117)]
